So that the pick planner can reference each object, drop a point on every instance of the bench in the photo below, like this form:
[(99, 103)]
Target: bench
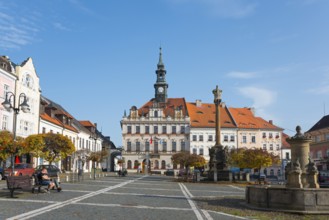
[(19, 182), (156, 172), (37, 183)]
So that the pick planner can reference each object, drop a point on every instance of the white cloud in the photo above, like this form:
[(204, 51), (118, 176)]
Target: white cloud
[(223, 8), (320, 90), (60, 26), (15, 31), (261, 97), (242, 75)]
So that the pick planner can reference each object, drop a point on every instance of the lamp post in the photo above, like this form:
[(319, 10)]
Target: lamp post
[(94, 137), (10, 103)]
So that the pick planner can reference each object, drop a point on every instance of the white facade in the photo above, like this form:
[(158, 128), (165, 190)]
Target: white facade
[(169, 135), (202, 139), (28, 83)]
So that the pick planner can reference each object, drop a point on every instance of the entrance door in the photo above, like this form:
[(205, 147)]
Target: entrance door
[(144, 166)]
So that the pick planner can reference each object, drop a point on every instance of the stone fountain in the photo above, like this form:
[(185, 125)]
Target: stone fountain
[(301, 193)]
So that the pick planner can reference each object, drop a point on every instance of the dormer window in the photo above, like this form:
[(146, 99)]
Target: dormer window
[(156, 114)]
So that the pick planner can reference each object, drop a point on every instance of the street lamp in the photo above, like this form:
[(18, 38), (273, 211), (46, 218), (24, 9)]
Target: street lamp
[(10, 103), (94, 137)]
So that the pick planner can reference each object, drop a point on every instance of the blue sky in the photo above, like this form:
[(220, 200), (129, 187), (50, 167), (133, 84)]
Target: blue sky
[(98, 58)]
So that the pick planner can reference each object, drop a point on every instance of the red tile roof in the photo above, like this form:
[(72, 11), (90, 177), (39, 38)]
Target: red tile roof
[(245, 118), (169, 108), (55, 121), (285, 144), (87, 123), (205, 116)]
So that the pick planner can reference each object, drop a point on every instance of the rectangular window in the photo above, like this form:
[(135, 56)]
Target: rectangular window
[(287, 156), (128, 129), (164, 146), (244, 139), (264, 147), (210, 138), (194, 151), (156, 147), (147, 146), (4, 122), (317, 138), (271, 146), (138, 129), (264, 135), (5, 90), (182, 145), (43, 130), (182, 129), (270, 135), (138, 146), (128, 146), (173, 129), (194, 137), (164, 129), (147, 129), (253, 139), (174, 147), (201, 151), (155, 128), (277, 147), (200, 137), (225, 138), (232, 139)]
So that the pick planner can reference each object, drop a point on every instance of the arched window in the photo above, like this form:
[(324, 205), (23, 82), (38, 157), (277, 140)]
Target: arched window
[(136, 164), (163, 164), (27, 81), (129, 164), (156, 164)]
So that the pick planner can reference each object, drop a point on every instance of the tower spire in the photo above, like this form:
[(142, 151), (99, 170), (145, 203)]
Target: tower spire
[(160, 63), (161, 85)]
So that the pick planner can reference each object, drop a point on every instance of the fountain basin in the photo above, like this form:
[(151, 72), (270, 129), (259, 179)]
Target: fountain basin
[(293, 200)]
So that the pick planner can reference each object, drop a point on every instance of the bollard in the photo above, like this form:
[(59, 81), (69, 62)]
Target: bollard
[(67, 178)]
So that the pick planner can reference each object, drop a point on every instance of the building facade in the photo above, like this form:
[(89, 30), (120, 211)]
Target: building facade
[(202, 128), (154, 132), (7, 84), (319, 147)]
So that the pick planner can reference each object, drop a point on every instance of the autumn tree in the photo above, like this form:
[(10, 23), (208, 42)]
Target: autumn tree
[(35, 145), (57, 146), (187, 160), (10, 147), (255, 158), (97, 156)]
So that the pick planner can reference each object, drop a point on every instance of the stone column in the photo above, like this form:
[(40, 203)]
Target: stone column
[(300, 149), (217, 100)]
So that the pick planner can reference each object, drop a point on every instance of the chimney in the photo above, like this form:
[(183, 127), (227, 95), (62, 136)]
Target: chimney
[(198, 103), (270, 121), (252, 109)]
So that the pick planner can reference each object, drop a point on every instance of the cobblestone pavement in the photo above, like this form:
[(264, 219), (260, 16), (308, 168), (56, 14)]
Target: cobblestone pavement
[(113, 197)]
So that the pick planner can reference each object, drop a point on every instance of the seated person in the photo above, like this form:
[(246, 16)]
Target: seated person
[(46, 181)]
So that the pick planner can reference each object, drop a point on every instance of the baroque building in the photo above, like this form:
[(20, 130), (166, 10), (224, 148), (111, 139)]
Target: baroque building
[(155, 131)]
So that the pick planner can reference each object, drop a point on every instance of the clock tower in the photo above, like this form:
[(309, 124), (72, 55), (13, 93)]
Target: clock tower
[(161, 85)]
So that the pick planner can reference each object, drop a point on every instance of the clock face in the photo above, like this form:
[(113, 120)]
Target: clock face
[(160, 89)]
